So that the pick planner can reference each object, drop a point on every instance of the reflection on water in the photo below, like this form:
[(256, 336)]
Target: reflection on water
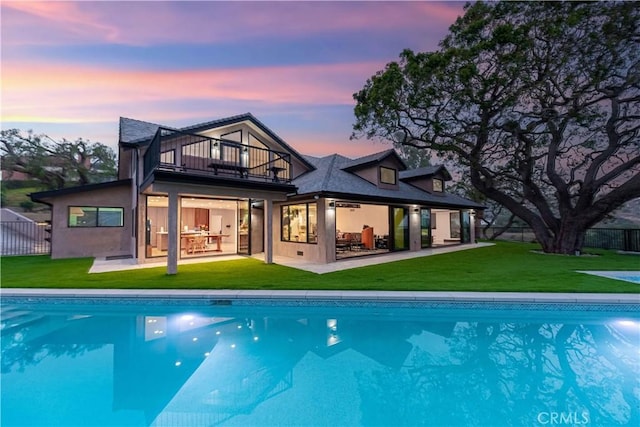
[(154, 366)]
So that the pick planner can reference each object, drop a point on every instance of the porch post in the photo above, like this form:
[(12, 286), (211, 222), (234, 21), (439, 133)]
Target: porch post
[(172, 243), (472, 226), (268, 231)]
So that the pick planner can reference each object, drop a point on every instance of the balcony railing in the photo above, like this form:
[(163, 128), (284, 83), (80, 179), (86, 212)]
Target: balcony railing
[(197, 154)]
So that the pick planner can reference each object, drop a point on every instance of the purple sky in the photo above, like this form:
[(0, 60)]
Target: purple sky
[(71, 69)]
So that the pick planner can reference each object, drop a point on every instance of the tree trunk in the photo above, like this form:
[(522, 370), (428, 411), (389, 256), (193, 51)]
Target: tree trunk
[(568, 239)]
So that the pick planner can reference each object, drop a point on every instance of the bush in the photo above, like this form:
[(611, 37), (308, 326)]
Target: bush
[(12, 184), (27, 205)]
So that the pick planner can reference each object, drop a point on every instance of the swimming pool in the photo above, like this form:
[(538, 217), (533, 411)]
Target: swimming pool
[(244, 362), (627, 276)]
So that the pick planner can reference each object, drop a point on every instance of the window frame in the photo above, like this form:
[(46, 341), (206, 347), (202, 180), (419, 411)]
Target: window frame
[(97, 216), (440, 188), (395, 175), (308, 225)]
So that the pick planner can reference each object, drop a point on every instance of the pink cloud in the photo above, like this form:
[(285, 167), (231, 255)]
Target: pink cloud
[(34, 89), (65, 20), (144, 23)]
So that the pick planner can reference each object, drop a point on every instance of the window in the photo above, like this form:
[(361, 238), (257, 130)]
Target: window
[(300, 223), (88, 216), (454, 226), (437, 185), (387, 175)]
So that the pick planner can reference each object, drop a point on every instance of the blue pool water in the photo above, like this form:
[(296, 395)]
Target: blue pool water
[(627, 276), (324, 363)]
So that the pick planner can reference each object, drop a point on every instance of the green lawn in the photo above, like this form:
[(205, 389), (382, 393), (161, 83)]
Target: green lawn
[(504, 267)]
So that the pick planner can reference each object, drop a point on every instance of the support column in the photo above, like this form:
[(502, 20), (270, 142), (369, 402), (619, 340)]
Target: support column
[(472, 226), (268, 231), (174, 233)]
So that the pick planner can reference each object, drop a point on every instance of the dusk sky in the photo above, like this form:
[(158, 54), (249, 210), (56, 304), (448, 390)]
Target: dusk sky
[(71, 69)]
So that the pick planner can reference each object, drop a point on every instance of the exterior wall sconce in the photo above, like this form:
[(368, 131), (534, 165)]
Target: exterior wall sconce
[(332, 205), (416, 210)]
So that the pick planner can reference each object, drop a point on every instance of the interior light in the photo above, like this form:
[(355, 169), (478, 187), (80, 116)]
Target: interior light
[(195, 339), (217, 332), (207, 354), (233, 346), (178, 363), (255, 338)]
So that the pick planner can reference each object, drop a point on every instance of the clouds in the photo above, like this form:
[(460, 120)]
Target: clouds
[(178, 63), (179, 22)]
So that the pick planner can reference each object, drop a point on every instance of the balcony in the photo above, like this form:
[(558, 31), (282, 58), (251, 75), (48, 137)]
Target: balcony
[(194, 154)]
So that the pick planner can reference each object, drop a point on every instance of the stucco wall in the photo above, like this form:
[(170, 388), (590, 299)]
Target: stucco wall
[(71, 242)]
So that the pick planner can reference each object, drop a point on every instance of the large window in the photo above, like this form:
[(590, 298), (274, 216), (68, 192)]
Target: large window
[(300, 223), (89, 216)]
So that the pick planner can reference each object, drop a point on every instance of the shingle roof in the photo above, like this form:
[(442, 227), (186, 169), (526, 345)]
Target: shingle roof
[(330, 178), (373, 158), (425, 171), (132, 130)]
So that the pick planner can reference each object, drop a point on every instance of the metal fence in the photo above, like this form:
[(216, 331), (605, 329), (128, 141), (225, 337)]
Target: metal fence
[(603, 238), (24, 238)]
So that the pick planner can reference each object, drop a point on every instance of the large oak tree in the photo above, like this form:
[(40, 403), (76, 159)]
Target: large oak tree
[(56, 164), (540, 101)]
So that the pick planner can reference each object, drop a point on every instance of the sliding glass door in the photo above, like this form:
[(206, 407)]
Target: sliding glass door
[(425, 228), (399, 221)]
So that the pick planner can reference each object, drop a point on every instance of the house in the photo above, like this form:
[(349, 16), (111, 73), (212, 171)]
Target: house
[(232, 186)]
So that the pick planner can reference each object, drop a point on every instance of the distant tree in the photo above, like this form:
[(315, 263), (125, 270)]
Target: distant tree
[(56, 164), (539, 101)]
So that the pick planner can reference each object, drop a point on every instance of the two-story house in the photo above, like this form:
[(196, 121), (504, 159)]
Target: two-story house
[(232, 186)]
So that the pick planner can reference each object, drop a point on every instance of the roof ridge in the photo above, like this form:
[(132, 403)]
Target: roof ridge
[(325, 181)]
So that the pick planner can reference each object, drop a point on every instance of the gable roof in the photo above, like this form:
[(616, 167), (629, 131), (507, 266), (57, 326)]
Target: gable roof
[(425, 172), (135, 132), (364, 161), (332, 179)]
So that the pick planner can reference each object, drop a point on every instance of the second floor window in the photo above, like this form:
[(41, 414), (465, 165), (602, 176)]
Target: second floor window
[(387, 175)]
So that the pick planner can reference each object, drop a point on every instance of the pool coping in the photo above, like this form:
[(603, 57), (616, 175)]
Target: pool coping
[(607, 298)]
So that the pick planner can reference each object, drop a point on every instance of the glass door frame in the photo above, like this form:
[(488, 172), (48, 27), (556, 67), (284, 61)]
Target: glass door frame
[(427, 227), (392, 229)]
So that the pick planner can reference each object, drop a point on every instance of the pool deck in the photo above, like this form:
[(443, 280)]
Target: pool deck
[(230, 294), (103, 265)]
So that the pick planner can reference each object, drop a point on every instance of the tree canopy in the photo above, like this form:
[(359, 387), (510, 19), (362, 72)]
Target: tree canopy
[(56, 164), (539, 101)]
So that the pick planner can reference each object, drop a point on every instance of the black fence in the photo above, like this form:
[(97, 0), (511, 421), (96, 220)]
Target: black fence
[(192, 153), (603, 238), (25, 238)]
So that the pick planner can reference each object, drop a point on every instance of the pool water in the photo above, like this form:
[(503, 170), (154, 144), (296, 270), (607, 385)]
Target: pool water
[(218, 362)]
